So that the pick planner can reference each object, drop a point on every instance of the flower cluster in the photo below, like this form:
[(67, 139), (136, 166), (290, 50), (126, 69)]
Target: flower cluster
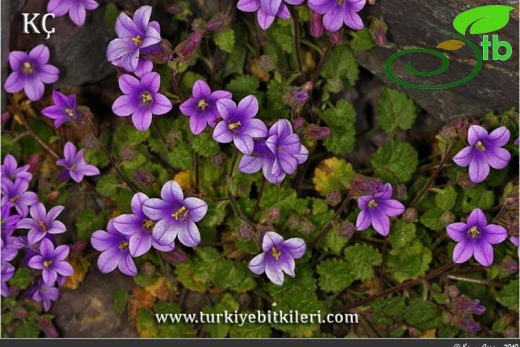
[(267, 9), (38, 243), (154, 222), (141, 99)]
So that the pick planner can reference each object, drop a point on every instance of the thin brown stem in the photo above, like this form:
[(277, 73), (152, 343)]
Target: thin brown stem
[(175, 85), (257, 203), (297, 44), (327, 227), (382, 267), (161, 135), (197, 172)]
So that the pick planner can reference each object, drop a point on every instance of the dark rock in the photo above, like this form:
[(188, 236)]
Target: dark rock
[(425, 24)]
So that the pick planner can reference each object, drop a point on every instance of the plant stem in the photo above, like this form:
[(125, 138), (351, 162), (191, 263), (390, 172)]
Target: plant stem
[(233, 163), (197, 172), (175, 85), (111, 159), (214, 66), (327, 227), (297, 44), (323, 59), (161, 135), (434, 175), (257, 203), (382, 267), (406, 285)]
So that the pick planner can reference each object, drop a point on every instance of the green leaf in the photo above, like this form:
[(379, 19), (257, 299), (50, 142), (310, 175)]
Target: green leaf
[(446, 198), (360, 259), (341, 63), (107, 186), (284, 199), (250, 330), (420, 311), (120, 301), (89, 221), (219, 328), (127, 136), (22, 278), (483, 19), (205, 263), (216, 213), (204, 145), (432, 219), (333, 242), (334, 275), (243, 86), (170, 330), (181, 156), (362, 40), (341, 119), (111, 14), (225, 40), (477, 197), (409, 262), (145, 324), (28, 329), (395, 110), (283, 36), (508, 296), (395, 162), (393, 306), (186, 275), (275, 93), (401, 234), (331, 175)]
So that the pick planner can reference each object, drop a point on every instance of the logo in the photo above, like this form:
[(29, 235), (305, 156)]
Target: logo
[(479, 20)]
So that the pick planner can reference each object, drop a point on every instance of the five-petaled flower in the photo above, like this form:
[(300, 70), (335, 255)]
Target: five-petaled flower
[(475, 238), (202, 106), (44, 292), (51, 261), (63, 110), (133, 35), (16, 194), (74, 163), (141, 100), (176, 216), (115, 252), (77, 9), (42, 222), (11, 171), (238, 124), (484, 150), (277, 257), (139, 228), (337, 12), (376, 208), (30, 72)]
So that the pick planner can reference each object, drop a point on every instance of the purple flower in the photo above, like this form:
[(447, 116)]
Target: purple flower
[(514, 240), (238, 124), (30, 72), (8, 221), (133, 35), (176, 216), (475, 238), (44, 292), (74, 164), (75, 8), (11, 171), (7, 272), (260, 158), (202, 106), (42, 223), (115, 251), (51, 261), (484, 150), (16, 194), (139, 228), (376, 208), (63, 110), (337, 12), (266, 10), (8, 250), (141, 99), (277, 257)]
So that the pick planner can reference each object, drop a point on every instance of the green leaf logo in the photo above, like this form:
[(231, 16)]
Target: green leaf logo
[(482, 20)]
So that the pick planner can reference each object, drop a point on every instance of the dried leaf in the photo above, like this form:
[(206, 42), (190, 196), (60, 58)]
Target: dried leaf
[(140, 299), (80, 267), (451, 45), (186, 179), (160, 289)]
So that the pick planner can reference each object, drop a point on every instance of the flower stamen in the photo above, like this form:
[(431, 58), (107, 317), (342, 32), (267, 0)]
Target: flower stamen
[(146, 97), (42, 225), (69, 112), (233, 126), (47, 263), (28, 68), (181, 213), (202, 104), (275, 253), (123, 245), (474, 232), (14, 198), (148, 224), (480, 146), (137, 40), (372, 203)]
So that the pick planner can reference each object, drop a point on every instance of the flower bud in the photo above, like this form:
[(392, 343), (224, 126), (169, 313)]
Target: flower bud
[(361, 185), (52, 196), (160, 53), (90, 142), (5, 118), (78, 247), (174, 9), (293, 222), (452, 291), (186, 48), (128, 154), (306, 227), (314, 132), (400, 192), (143, 178), (147, 269), (371, 2), (266, 63), (20, 313), (447, 218), (335, 38), (273, 215), (316, 25), (333, 198), (462, 127), (298, 124), (449, 133), (410, 215), (33, 162), (244, 232), (295, 98), (346, 229), (45, 324), (378, 29), (175, 256), (83, 116), (219, 22), (219, 159)]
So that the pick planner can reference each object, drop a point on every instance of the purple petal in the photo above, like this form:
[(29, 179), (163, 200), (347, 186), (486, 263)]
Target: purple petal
[(494, 234), (141, 17), (197, 125), (34, 89), (271, 7), (248, 5), (226, 108), (499, 137), (127, 265), (270, 240), (129, 84), (483, 253), (155, 209), (200, 90), (119, 48), (254, 128), (188, 107), (380, 222), (248, 107), (15, 82), (333, 20), (321, 6), (161, 104), (89, 170), (197, 208), (274, 273), (464, 157), (189, 235), (478, 168), (353, 20), (250, 164), (63, 268), (257, 264), (46, 248), (40, 54), (125, 27), (124, 105), (108, 260), (69, 151), (222, 133), (477, 218), (476, 133), (151, 81), (142, 119), (54, 212), (17, 58), (244, 144), (61, 252), (457, 231), (220, 94), (128, 224), (165, 232), (497, 158), (137, 203), (295, 246), (363, 220), (172, 192), (49, 276), (264, 20), (102, 241), (77, 14), (462, 251), (392, 207), (48, 73), (283, 12), (139, 244), (36, 262)]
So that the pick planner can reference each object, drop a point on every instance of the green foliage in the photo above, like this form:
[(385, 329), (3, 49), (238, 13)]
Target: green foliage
[(243, 86), (225, 40), (432, 219), (22, 278), (218, 327), (446, 198), (477, 197), (88, 222), (170, 330), (334, 275), (395, 110), (362, 40), (409, 262), (508, 296), (341, 119), (282, 35), (341, 64), (422, 314), (120, 301), (395, 162), (111, 13), (360, 259)]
